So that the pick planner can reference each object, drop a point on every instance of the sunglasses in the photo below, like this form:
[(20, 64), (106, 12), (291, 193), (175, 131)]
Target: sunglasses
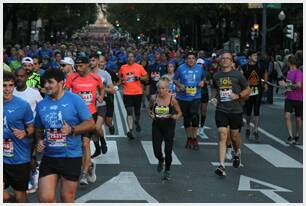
[(63, 65)]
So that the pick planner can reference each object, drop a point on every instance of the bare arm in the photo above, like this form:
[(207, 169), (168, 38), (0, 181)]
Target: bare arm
[(177, 109), (150, 106)]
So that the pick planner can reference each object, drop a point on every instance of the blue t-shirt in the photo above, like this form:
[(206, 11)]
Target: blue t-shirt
[(55, 65), (45, 52), (17, 114), (190, 78), (50, 116)]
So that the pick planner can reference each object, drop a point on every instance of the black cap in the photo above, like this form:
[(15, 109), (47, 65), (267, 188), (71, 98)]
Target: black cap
[(250, 52), (82, 60)]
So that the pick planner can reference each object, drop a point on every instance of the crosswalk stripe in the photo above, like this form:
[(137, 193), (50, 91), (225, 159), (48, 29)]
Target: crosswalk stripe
[(118, 118), (148, 148), (209, 143), (122, 108), (226, 164), (274, 156), (111, 157)]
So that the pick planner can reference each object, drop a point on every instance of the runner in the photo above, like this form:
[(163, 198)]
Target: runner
[(170, 75), (101, 107), (67, 66), (18, 126), (164, 111), (254, 72), (293, 99), (33, 78), (60, 120), (189, 79), (229, 86), (86, 84), (131, 75)]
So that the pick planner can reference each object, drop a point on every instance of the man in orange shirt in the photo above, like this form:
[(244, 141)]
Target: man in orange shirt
[(131, 75)]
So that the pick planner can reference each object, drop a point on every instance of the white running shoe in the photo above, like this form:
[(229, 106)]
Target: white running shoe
[(92, 173)]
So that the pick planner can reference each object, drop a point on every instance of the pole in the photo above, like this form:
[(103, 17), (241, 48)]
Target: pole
[(264, 29)]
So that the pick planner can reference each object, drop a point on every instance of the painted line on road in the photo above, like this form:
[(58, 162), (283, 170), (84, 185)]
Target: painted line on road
[(123, 110), (271, 136), (226, 164), (209, 143), (111, 157), (123, 187), (274, 156), (118, 118), (148, 148), (299, 146)]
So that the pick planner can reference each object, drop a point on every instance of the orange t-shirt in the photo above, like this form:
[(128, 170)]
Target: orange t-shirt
[(86, 87), (128, 73)]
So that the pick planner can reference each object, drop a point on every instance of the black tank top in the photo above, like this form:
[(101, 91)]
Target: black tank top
[(162, 112)]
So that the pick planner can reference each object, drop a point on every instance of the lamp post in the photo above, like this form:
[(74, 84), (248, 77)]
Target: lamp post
[(265, 30)]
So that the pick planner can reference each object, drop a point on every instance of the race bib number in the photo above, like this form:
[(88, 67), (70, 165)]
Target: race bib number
[(254, 91), (191, 91), (8, 148), (56, 138), (225, 95), (87, 97), (161, 110)]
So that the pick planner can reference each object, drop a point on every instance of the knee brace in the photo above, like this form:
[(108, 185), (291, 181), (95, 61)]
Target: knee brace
[(129, 111), (195, 120)]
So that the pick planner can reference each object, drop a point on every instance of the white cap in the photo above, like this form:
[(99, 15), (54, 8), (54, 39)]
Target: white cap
[(27, 60), (67, 60), (200, 61), (213, 54)]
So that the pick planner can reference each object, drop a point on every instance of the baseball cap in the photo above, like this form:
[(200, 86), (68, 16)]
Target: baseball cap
[(67, 60), (200, 61), (213, 54), (82, 60), (27, 60)]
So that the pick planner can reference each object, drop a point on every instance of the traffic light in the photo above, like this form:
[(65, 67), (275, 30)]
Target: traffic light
[(289, 31)]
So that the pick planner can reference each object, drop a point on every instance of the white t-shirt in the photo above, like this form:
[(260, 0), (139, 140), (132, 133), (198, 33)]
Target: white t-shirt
[(30, 95)]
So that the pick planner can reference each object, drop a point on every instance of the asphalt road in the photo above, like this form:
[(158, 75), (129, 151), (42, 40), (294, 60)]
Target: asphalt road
[(271, 171)]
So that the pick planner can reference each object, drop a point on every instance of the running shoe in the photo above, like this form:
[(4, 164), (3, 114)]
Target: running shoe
[(188, 142), (111, 130), (92, 173), (256, 136), (96, 154), (247, 133), (166, 175), (290, 140), (83, 180), (103, 146), (195, 144), (236, 160), (296, 140), (130, 135), (160, 166), (220, 171)]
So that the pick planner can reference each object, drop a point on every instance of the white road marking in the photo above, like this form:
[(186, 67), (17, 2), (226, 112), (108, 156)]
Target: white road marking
[(148, 148), (111, 157), (124, 186), (245, 185), (118, 118), (226, 164), (122, 108), (209, 143), (274, 156)]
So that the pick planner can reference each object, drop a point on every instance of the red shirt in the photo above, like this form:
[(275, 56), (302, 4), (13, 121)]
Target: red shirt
[(86, 87), (128, 73)]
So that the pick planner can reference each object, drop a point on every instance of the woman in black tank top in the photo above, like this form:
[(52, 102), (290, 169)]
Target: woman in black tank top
[(164, 110)]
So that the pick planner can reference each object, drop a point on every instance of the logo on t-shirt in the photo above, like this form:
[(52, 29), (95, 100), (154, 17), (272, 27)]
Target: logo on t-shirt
[(253, 78)]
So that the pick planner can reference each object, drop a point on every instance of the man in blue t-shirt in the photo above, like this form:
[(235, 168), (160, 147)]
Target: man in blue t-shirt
[(61, 118), (17, 128), (189, 79)]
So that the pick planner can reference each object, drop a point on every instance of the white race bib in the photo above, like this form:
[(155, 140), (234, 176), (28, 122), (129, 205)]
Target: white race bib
[(8, 148), (225, 95), (56, 138), (87, 97)]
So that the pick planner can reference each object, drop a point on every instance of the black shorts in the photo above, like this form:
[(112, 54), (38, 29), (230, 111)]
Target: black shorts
[(69, 168), (17, 176), (296, 105), (133, 101), (253, 103), (233, 120), (109, 106), (204, 98), (89, 134), (101, 111), (190, 108)]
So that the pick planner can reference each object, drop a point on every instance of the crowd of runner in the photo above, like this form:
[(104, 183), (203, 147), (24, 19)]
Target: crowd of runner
[(57, 97)]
